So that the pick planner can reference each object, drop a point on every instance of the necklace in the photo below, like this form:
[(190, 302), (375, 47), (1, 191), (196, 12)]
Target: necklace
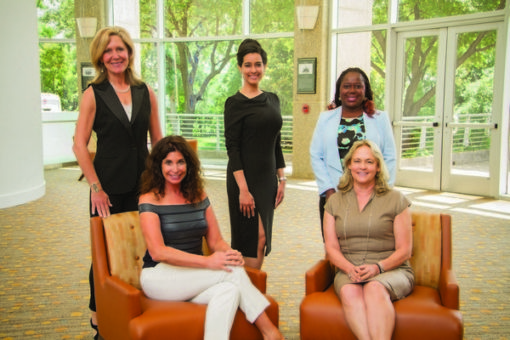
[(126, 90), (346, 248)]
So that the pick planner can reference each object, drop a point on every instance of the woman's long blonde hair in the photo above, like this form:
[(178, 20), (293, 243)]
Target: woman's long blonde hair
[(98, 46), (381, 177)]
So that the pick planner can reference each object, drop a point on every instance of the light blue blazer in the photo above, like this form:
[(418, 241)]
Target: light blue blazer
[(324, 147)]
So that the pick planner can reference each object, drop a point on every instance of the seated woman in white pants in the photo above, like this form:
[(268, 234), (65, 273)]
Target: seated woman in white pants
[(175, 214)]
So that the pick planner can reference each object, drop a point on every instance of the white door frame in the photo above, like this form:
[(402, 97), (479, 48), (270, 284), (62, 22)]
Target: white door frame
[(440, 175)]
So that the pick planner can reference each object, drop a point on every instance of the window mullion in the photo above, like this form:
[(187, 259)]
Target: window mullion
[(246, 17)]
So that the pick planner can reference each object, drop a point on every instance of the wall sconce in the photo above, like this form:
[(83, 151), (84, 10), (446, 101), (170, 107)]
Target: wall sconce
[(307, 16), (87, 26)]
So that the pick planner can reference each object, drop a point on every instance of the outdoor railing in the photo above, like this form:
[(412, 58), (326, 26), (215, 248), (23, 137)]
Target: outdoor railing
[(208, 129), (419, 140)]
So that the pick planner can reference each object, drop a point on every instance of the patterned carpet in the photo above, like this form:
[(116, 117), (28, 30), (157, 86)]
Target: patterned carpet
[(45, 257)]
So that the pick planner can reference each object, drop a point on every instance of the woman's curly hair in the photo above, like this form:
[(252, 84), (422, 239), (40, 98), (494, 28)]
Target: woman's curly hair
[(153, 180)]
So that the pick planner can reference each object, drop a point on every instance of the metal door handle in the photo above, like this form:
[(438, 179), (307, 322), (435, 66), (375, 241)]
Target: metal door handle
[(415, 124), (473, 125)]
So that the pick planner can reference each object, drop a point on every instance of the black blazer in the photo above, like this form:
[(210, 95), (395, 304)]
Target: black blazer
[(121, 144)]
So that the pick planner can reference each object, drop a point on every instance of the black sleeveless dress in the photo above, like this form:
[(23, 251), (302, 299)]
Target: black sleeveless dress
[(252, 138)]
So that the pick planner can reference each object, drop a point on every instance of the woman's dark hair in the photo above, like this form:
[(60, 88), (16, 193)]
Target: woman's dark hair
[(250, 46), (192, 186), (368, 89)]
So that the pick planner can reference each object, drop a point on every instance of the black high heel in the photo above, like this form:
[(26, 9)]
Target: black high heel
[(94, 327)]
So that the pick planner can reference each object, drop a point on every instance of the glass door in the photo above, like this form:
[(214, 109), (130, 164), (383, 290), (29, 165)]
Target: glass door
[(420, 70), (471, 134), (446, 121)]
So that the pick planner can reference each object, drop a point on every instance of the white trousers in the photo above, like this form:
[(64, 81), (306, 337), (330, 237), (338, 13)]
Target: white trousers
[(222, 291)]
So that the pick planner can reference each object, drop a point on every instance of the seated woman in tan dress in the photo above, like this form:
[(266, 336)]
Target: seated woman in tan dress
[(368, 237)]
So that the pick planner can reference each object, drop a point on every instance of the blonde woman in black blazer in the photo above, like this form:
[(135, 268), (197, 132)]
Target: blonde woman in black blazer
[(120, 109)]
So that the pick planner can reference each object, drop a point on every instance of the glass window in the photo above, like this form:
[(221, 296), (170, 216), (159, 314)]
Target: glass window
[(200, 69), (369, 55), (473, 100), (197, 88), (58, 60), (148, 52), (378, 67), (202, 18), (198, 74), (211, 74), (56, 19), (148, 18), (280, 17), (354, 13), (279, 72), (58, 73), (410, 10)]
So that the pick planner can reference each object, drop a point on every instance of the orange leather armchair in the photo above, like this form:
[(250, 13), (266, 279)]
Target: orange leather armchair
[(430, 312), (124, 312)]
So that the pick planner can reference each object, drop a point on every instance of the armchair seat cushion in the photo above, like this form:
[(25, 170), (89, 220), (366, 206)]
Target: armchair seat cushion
[(161, 318), (418, 316)]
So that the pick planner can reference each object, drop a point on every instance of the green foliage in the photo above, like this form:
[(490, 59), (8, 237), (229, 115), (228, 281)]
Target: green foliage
[(377, 73), (279, 72), (58, 61), (58, 73), (56, 19), (410, 10), (271, 16), (380, 12)]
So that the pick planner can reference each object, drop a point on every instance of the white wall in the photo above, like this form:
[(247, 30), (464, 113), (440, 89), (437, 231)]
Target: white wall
[(21, 155)]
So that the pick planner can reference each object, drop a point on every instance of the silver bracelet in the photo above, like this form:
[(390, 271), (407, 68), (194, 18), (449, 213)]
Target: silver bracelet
[(282, 179)]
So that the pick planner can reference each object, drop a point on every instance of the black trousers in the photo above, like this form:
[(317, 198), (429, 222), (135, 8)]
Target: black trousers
[(322, 203)]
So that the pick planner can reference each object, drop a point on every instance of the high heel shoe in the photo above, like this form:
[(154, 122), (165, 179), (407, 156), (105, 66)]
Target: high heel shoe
[(94, 327)]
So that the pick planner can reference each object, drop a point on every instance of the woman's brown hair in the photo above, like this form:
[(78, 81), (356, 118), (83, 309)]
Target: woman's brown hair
[(192, 185)]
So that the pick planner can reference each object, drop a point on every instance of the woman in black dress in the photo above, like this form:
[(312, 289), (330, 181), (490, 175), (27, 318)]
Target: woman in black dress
[(255, 171)]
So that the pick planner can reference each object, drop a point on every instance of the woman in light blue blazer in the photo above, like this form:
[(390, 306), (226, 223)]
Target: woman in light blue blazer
[(354, 118)]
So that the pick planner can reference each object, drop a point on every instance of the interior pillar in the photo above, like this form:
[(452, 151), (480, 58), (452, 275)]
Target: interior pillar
[(309, 43), (21, 148)]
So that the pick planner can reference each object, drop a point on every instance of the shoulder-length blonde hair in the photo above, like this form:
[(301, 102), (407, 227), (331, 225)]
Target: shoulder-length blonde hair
[(98, 46), (381, 177)]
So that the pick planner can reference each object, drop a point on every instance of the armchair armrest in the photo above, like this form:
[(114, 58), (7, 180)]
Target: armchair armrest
[(123, 299), (258, 278), (448, 286), (319, 277), (449, 289)]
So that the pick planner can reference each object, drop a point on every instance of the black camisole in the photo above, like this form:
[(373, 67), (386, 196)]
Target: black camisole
[(182, 226)]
